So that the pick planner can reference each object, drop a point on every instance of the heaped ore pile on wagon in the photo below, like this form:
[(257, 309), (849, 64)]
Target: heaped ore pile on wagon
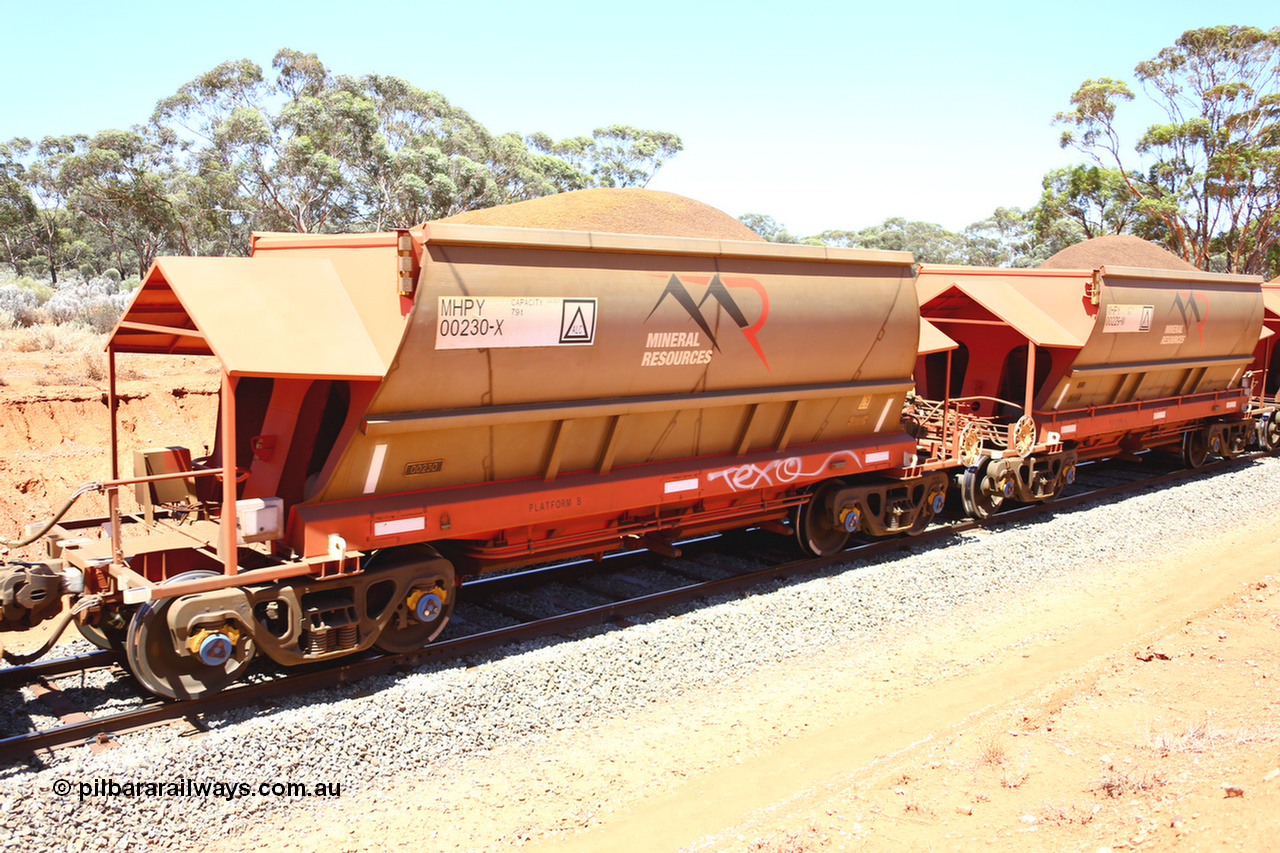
[(401, 410)]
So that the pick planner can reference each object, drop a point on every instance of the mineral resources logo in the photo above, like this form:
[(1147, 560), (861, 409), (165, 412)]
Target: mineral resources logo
[(680, 348), (1190, 307)]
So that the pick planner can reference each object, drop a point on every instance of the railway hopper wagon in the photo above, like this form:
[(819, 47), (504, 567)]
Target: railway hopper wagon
[(1055, 366), (400, 411), (1266, 366)]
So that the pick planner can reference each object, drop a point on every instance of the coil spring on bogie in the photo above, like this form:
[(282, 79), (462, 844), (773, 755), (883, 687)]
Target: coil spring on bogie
[(318, 641), (328, 639)]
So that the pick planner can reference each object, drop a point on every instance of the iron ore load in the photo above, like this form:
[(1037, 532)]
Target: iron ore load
[(402, 411)]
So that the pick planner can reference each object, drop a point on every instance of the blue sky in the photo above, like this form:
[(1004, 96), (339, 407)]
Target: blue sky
[(820, 114)]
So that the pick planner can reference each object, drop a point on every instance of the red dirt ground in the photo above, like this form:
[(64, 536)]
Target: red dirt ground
[(1107, 714)]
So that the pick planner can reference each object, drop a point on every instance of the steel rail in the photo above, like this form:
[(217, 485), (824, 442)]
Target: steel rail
[(14, 677), (349, 670)]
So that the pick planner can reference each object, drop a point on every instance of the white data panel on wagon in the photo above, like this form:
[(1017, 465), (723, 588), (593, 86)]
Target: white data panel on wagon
[(484, 322)]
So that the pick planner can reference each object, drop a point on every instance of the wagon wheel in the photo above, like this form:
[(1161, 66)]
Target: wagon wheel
[(934, 503), (982, 496), (816, 534), (161, 669), (1269, 431), (1195, 449), (423, 611), (109, 639)]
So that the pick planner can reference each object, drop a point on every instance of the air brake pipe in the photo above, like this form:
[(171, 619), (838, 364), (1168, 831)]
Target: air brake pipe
[(57, 516), (101, 487)]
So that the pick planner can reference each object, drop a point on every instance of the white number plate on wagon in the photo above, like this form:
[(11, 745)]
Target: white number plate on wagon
[(484, 322)]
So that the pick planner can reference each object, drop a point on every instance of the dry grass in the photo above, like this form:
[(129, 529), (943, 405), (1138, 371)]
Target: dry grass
[(1011, 778), (90, 369), (992, 751), (1202, 737), (1064, 813), (68, 337), (95, 367), (916, 809), (1117, 783)]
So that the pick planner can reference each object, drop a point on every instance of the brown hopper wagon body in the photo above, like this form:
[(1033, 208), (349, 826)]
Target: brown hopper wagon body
[(402, 411)]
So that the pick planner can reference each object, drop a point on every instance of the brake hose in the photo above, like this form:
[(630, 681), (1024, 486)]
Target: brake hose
[(22, 543), (58, 628)]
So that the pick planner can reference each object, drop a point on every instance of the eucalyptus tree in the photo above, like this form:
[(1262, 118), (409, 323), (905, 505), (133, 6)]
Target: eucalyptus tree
[(17, 208), (312, 151), (290, 148), (429, 160), (50, 220), (117, 183), (617, 155), (1095, 199), (768, 228), (928, 242), (1209, 174)]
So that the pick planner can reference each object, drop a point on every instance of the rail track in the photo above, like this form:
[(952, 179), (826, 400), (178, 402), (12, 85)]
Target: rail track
[(742, 559)]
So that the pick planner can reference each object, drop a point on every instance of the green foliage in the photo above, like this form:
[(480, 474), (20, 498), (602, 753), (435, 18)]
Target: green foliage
[(767, 227), (236, 149), (1207, 183), (1007, 238), (625, 156), (615, 156), (928, 242), (1093, 199), (40, 290), (311, 151), (17, 207)]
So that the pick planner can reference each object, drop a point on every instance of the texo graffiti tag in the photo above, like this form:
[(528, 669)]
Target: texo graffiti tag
[(778, 472)]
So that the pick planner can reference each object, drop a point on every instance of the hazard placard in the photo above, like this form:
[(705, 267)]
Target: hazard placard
[(484, 322), (1128, 318)]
